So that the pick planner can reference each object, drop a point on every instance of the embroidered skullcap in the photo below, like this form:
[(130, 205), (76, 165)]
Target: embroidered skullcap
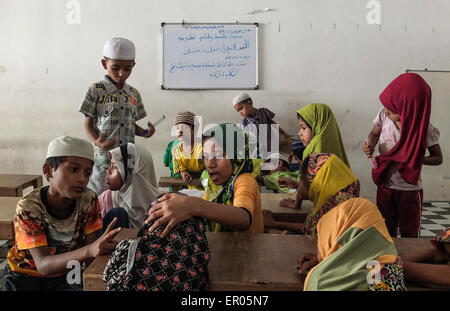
[(186, 117), (67, 146), (280, 156)]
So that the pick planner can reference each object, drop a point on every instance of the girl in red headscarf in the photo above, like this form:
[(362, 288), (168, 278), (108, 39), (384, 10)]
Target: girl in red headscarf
[(404, 133)]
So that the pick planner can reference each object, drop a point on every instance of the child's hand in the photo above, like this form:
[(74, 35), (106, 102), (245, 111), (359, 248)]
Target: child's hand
[(172, 209), (268, 219), (285, 182), (259, 179), (186, 176), (105, 144), (150, 130), (368, 148), (106, 243), (306, 262)]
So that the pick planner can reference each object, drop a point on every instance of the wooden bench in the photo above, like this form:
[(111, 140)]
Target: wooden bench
[(271, 202), (243, 261), (177, 183), (12, 185), (7, 213)]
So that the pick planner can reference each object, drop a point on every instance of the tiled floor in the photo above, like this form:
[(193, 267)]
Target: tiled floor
[(435, 218)]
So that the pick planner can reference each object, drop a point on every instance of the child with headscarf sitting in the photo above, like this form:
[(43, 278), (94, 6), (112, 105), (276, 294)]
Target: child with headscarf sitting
[(132, 186), (354, 252), (326, 181)]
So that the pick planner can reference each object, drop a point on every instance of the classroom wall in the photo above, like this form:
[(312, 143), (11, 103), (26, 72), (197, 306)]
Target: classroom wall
[(310, 51)]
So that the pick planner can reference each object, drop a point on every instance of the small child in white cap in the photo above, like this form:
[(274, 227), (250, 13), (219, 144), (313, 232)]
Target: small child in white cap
[(276, 167), (112, 107), (58, 223), (257, 116)]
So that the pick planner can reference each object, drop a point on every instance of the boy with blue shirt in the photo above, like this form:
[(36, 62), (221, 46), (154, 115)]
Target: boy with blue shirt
[(112, 107)]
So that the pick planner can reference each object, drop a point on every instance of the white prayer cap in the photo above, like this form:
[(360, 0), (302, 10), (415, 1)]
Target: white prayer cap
[(119, 48), (240, 98), (279, 156), (67, 146)]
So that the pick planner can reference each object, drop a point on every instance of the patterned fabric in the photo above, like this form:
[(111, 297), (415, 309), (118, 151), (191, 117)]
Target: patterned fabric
[(351, 191), (391, 278), (177, 262), (331, 183), (326, 136), (240, 162), (35, 227), (352, 241), (115, 112)]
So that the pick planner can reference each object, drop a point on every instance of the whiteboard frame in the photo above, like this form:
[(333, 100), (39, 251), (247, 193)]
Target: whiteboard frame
[(256, 87)]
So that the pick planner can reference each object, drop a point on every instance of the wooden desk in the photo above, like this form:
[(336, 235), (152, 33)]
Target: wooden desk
[(177, 183), (7, 213), (242, 261), (271, 202), (12, 185)]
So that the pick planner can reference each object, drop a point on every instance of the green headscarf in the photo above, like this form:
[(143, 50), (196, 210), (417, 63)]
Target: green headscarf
[(239, 160), (326, 137)]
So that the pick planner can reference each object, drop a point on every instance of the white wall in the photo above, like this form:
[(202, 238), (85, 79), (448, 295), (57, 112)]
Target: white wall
[(310, 51)]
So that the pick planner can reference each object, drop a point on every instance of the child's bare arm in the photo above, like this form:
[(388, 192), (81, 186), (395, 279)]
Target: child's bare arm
[(435, 157), (427, 273), (372, 140), (270, 222), (139, 131), (95, 137), (48, 264)]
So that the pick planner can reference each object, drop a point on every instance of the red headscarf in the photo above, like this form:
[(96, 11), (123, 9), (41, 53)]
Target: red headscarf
[(410, 96)]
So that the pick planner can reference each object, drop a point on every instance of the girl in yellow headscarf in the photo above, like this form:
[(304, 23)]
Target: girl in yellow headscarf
[(355, 251), (325, 180), (319, 131)]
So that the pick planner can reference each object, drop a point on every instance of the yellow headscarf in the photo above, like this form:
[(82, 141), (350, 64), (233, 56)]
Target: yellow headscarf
[(332, 182), (349, 237), (325, 131)]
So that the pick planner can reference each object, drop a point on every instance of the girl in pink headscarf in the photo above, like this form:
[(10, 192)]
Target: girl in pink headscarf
[(404, 133)]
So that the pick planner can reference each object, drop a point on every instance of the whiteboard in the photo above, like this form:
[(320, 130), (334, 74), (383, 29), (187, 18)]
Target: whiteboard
[(436, 179), (210, 56)]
